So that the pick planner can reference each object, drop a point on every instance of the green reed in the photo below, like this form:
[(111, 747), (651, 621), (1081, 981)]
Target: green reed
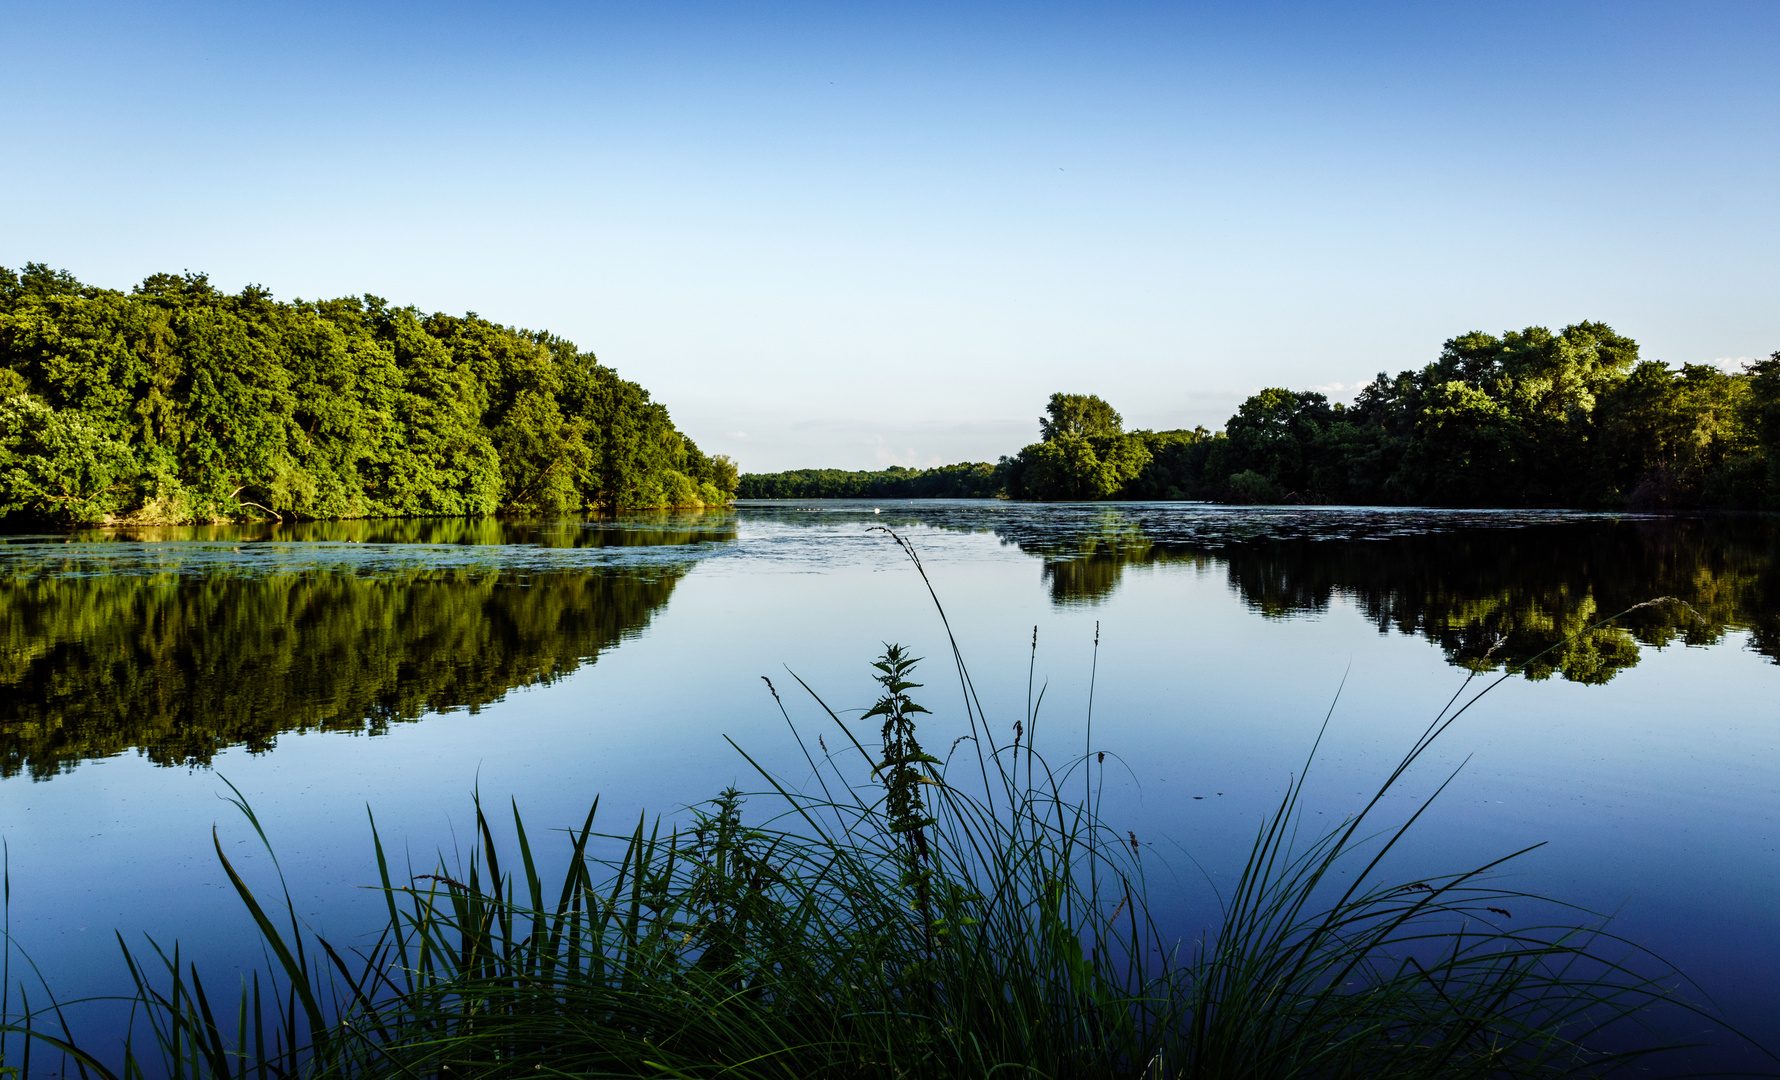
[(900, 914)]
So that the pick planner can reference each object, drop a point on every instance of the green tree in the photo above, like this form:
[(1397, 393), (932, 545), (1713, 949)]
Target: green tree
[(965, 480), (1274, 432), (1177, 461), (1761, 418), (1525, 418), (239, 406), (59, 465), (1079, 414), (1085, 453), (1074, 467), (1463, 450)]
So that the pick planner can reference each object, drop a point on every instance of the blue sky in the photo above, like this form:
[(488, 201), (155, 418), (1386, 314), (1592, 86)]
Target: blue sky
[(859, 234)]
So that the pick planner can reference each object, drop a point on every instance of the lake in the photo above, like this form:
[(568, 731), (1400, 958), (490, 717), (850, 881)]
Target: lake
[(329, 670)]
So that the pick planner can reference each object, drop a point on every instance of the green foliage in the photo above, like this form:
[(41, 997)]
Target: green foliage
[(725, 900), (179, 403), (1249, 486), (903, 771), (59, 465), (1079, 414), (1274, 435), (1085, 454), (1076, 467), (1530, 418), (1761, 415), (1176, 460), (1176, 464), (967, 480)]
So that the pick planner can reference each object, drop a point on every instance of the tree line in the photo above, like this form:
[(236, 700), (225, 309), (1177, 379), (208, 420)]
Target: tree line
[(178, 402), (969, 480), (1530, 418)]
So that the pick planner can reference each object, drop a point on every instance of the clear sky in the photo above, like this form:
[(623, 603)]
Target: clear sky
[(857, 234)]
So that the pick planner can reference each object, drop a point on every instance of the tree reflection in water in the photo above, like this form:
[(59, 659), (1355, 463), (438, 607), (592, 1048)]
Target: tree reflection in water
[(194, 640), (1490, 598), (197, 639)]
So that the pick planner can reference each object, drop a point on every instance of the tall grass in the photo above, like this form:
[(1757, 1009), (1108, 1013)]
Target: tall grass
[(903, 913)]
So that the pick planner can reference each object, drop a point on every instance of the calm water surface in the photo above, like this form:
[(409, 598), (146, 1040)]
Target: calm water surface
[(336, 669)]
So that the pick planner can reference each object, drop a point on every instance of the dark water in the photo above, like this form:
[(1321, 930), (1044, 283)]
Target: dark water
[(552, 661)]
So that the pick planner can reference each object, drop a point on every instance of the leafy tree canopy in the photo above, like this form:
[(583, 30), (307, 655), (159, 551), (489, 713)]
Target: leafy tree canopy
[(966, 480), (1083, 415), (1530, 417), (178, 402)]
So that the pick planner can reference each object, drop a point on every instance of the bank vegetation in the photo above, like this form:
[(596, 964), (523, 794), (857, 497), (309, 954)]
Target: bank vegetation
[(1528, 418), (177, 402)]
